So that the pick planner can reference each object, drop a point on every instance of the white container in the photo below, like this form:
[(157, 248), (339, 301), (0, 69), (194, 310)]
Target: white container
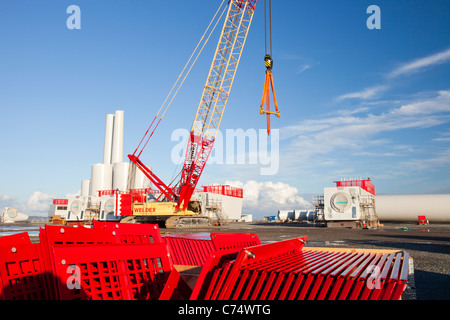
[(344, 203), (76, 208), (108, 208), (101, 178)]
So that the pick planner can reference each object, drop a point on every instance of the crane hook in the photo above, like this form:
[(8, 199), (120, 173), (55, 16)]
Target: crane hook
[(268, 85), (268, 62)]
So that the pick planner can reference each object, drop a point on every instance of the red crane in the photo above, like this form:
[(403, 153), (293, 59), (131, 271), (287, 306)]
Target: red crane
[(239, 15)]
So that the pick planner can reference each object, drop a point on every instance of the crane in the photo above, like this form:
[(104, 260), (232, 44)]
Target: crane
[(175, 210)]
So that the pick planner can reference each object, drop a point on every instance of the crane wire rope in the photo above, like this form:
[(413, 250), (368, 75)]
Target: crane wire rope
[(270, 27), (179, 77), (268, 62)]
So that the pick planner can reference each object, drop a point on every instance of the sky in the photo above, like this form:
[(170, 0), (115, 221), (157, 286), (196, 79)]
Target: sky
[(354, 101)]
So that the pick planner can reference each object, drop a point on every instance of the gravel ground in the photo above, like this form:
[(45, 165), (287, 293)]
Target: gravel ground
[(429, 246)]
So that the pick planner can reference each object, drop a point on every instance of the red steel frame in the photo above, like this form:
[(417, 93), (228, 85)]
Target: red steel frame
[(201, 148), (166, 190)]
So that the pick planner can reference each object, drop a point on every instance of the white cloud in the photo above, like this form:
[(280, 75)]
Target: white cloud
[(39, 202), (441, 103), (421, 63), (407, 68), (347, 112), (36, 205), (266, 198), (444, 137), (306, 63), (304, 67), (6, 201), (368, 93), (359, 132), (433, 162), (69, 194)]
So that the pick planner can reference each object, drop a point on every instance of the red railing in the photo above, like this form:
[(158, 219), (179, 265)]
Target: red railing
[(225, 190), (61, 201), (364, 184)]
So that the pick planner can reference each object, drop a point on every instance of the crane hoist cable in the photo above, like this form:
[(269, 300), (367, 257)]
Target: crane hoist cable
[(268, 62), (179, 77)]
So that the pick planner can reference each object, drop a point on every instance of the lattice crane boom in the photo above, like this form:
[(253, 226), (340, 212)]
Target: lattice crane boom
[(210, 110), (215, 95)]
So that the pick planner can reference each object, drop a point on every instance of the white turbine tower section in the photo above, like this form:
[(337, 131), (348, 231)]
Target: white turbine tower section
[(120, 176), (103, 174), (107, 149), (141, 181), (101, 178), (85, 186), (407, 207), (117, 143)]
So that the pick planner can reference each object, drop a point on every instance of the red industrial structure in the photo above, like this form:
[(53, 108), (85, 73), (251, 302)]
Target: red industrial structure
[(363, 183)]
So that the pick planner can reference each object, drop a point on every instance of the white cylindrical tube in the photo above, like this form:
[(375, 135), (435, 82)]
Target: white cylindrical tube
[(286, 214), (85, 185), (101, 178), (141, 181), (117, 143), (120, 176), (107, 148), (407, 208)]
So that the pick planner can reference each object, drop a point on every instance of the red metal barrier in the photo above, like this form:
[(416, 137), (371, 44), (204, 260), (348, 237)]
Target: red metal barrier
[(176, 287), (132, 262), (224, 241), (132, 233), (189, 249), (112, 272), (22, 274), (283, 271), (15, 239), (194, 249), (220, 273)]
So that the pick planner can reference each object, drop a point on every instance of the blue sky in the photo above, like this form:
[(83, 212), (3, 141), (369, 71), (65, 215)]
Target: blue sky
[(354, 102)]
